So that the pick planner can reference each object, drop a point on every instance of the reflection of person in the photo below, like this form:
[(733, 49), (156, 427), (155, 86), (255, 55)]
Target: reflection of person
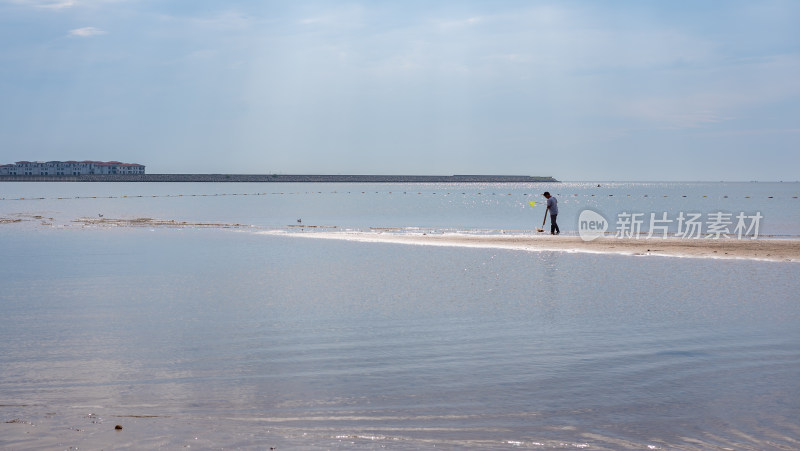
[(552, 205)]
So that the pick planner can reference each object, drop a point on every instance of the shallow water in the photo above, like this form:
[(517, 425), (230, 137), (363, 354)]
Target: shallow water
[(233, 339), (467, 206)]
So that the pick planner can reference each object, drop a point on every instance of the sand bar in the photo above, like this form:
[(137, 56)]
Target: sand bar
[(765, 249), (784, 250)]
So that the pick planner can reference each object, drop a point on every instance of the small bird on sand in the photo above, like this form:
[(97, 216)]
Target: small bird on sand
[(299, 220)]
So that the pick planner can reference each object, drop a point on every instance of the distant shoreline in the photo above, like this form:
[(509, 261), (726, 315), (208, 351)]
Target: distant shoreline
[(279, 178)]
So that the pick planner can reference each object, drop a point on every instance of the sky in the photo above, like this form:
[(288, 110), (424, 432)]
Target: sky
[(578, 90)]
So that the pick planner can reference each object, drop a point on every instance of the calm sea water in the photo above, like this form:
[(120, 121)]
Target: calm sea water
[(225, 338), (492, 207)]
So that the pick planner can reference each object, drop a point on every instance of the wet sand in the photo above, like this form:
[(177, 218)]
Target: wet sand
[(767, 249), (150, 222), (730, 248)]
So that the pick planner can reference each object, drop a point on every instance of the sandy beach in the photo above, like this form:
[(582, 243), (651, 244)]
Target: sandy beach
[(766, 249), (785, 250)]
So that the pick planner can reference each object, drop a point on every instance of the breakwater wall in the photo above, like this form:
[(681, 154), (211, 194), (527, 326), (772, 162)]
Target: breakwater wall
[(278, 178)]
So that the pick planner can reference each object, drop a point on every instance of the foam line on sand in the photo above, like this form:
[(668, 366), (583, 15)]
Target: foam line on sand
[(784, 250)]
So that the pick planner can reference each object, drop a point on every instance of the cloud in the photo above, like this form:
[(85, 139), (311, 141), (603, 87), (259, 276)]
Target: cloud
[(676, 115), (46, 4), (86, 32), (62, 4), (56, 4), (337, 19), (723, 91), (448, 25)]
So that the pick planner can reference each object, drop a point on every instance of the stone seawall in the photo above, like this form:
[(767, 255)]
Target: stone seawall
[(278, 178)]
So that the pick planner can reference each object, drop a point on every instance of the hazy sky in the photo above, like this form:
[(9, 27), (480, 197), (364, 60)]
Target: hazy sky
[(580, 90)]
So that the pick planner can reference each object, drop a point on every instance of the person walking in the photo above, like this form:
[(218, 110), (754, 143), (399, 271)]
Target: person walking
[(552, 206)]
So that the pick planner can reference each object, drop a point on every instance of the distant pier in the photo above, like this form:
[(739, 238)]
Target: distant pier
[(279, 178)]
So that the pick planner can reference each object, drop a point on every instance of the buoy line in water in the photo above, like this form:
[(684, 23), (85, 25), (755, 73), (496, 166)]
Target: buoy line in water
[(436, 193)]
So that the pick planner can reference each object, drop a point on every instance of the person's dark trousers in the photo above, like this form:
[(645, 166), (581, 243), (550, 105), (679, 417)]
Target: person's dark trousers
[(554, 225)]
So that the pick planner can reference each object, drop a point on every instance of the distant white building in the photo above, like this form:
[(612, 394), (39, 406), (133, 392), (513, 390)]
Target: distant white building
[(70, 168)]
